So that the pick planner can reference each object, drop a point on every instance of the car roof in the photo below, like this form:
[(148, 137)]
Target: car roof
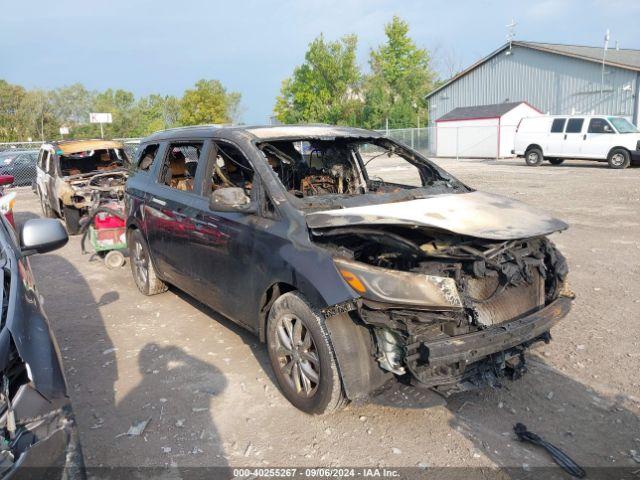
[(68, 147), (262, 132)]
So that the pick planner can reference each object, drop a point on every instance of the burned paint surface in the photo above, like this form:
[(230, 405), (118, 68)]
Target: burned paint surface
[(295, 230), (476, 214)]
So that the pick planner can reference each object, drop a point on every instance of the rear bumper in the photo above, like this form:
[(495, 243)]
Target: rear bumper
[(635, 156), (457, 352)]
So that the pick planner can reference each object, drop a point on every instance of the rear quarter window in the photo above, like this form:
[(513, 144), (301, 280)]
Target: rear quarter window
[(147, 156)]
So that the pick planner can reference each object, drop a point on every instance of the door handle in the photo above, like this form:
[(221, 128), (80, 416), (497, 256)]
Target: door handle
[(565, 136), (584, 137)]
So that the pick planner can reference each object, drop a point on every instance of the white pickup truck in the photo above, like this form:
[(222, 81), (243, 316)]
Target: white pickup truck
[(587, 137)]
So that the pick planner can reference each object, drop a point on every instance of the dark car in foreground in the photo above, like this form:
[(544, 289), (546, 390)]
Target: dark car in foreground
[(354, 258), (39, 435), (20, 164)]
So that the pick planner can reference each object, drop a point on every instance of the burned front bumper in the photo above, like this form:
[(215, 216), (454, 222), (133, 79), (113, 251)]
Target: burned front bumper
[(452, 360)]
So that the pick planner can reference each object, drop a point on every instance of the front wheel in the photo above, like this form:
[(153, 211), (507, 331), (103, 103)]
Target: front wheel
[(556, 161), (302, 356), (144, 274), (533, 157), (619, 158)]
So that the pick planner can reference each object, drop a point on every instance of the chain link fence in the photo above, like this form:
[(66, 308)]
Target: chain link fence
[(19, 158)]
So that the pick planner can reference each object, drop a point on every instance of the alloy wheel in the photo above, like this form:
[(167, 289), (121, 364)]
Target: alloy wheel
[(141, 262), (297, 355)]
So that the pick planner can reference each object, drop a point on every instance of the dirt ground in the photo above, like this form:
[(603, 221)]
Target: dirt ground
[(206, 385)]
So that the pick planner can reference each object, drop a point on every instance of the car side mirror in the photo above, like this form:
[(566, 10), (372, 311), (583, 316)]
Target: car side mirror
[(42, 235), (230, 199)]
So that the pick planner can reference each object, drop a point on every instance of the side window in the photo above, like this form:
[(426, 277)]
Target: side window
[(558, 125), (179, 166), (147, 156), (231, 169), (574, 125), (599, 125)]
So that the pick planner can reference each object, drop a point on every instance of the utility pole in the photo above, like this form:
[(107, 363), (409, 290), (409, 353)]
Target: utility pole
[(604, 57)]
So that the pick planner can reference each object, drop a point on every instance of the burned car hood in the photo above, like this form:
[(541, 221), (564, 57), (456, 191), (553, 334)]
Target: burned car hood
[(474, 214)]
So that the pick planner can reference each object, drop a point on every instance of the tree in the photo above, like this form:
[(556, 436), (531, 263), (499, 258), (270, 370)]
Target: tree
[(400, 77), (11, 97), (325, 88), (208, 102)]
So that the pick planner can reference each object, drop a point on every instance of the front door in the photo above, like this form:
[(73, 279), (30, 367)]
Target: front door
[(223, 241), (597, 141)]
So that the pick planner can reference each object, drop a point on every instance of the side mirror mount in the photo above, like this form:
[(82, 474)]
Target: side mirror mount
[(42, 235), (231, 199)]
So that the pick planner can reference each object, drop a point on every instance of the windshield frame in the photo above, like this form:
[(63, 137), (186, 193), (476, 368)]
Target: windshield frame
[(446, 182)]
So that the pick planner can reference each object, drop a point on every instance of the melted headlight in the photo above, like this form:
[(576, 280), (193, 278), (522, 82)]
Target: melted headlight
[(391, 286)]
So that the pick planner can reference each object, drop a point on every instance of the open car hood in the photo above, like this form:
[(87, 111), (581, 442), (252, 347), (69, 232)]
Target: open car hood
[(475, 214)]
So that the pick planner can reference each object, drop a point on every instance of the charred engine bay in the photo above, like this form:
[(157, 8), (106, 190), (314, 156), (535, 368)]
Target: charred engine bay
[(496, 281)]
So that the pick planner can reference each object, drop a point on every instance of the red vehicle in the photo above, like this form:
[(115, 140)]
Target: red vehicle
[(7, 201)]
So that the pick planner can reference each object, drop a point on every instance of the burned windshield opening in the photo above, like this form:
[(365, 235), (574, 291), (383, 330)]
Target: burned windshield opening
[(92, 161), (338, 168)]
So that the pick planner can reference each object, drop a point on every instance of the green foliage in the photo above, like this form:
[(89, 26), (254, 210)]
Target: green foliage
[(400, 78), (329, 87), (39, 114), (325, 88), (208, 102)]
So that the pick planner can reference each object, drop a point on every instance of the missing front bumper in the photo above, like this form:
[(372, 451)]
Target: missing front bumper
[(446, 361)]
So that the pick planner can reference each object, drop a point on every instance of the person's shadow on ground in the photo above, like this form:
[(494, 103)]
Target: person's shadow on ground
[(175, 396)]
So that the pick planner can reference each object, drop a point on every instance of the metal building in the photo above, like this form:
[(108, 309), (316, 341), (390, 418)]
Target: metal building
[(556, 79)]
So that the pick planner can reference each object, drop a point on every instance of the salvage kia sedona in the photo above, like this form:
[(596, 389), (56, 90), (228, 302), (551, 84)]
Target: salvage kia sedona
[(357, 260)]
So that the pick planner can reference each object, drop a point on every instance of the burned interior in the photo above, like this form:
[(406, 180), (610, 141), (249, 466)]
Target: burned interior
[(92, 161), (325, 171)]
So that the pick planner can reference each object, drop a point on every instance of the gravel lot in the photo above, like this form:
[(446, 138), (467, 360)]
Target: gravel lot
[(206, 384)]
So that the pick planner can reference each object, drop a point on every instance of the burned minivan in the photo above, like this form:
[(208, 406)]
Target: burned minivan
[(357, 260), (74, 176)]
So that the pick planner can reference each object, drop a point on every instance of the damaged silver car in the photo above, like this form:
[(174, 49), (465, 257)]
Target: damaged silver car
[(74, 176), (357, 260)]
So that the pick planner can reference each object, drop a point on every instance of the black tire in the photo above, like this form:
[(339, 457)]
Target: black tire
[(312, 357), (47, 211), (533, 156), (619, 158), (556, 161), (71, 219), (144, 274)]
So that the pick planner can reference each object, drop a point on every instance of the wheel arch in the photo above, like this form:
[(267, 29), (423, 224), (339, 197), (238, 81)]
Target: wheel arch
[(531, 146), (619, 147)]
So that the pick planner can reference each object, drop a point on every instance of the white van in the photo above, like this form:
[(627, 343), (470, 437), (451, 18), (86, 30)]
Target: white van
[(589, 137)]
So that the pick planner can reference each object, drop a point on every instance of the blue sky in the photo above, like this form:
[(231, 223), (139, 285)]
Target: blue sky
[(164, 46)]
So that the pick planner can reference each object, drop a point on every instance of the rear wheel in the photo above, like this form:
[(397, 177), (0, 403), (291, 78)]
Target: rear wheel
[(533, 157), (556, 161), (71, 220), (619, 158), (302, 356), (144, 274)]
